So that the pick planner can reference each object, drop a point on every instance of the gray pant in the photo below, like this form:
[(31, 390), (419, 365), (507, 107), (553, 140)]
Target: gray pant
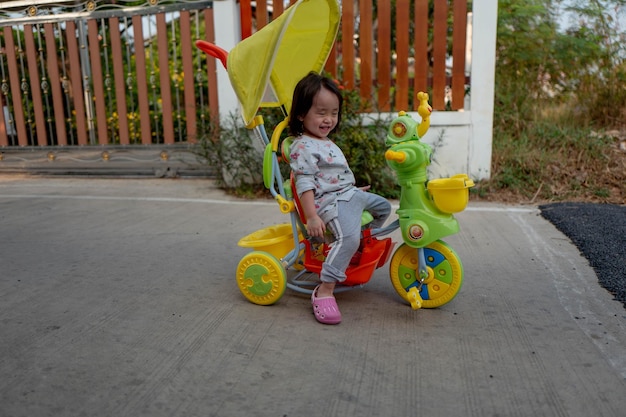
[(346, 228)]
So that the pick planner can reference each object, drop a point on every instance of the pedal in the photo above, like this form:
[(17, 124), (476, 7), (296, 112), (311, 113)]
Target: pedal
[(415, 298)]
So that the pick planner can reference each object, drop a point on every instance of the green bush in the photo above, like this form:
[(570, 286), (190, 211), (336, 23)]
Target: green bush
[(233, 155)]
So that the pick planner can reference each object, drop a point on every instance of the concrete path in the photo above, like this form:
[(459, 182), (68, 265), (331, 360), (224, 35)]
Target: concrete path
[(117, 298)]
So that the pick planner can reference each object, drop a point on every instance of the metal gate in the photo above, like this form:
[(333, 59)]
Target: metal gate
[(104, 72)]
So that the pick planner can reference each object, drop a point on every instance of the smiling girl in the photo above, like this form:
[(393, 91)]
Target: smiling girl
[(326, 186)]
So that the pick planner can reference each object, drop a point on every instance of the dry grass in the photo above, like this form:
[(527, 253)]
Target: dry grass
[(543, 169)]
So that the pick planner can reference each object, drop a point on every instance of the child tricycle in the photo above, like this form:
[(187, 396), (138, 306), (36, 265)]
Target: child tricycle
[(424, 270)]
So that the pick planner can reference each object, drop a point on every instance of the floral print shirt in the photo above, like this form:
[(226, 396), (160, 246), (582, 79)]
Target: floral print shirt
[(320, 165)]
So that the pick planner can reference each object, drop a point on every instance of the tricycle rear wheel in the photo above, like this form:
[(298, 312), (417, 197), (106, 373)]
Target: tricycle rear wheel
[(261, 278)]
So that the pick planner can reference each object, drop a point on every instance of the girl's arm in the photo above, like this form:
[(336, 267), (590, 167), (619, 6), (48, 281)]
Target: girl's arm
[(314, 225)]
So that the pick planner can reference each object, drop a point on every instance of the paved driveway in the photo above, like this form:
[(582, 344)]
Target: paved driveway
[(117, 298)]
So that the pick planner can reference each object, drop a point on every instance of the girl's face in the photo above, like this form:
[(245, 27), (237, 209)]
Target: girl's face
[(322, 117)]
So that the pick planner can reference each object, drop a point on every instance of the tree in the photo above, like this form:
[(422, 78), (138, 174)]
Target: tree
[(538, 63)]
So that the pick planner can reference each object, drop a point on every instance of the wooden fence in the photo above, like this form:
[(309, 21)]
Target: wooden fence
[(389, 51), (75, 73)]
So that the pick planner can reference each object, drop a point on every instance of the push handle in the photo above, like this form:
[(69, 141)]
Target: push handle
[(213, 50)]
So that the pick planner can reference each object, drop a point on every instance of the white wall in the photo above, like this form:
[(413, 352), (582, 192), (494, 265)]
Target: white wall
[(484, 29), (227, 35)]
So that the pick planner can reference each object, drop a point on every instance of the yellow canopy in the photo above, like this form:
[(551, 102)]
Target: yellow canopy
[(283, 52)]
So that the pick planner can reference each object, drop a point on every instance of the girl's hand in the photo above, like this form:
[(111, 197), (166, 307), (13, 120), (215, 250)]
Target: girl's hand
[(315, 227), (365, 188)]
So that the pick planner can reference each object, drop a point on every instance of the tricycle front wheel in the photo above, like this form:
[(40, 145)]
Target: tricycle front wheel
[(444, 279), (261, 278)]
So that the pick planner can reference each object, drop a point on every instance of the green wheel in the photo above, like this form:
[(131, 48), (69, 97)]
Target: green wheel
[(445, 273), (261, 278)]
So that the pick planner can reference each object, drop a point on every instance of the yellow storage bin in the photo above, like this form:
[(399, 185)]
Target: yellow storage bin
[(450, 195), (276, 240)]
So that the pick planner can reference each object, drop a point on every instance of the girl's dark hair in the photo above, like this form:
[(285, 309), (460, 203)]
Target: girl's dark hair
[(302, 101)]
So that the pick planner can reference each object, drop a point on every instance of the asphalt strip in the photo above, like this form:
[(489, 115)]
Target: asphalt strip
[(599, 233)]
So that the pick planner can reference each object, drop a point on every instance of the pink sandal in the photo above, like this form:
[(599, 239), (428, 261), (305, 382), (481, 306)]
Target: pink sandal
[(325, 309)]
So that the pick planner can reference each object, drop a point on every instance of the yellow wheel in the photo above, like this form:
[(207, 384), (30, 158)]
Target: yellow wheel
[(445, 273), (261, 278)]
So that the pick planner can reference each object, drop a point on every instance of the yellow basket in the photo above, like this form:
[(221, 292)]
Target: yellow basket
[(276, 240), (450, 195)]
